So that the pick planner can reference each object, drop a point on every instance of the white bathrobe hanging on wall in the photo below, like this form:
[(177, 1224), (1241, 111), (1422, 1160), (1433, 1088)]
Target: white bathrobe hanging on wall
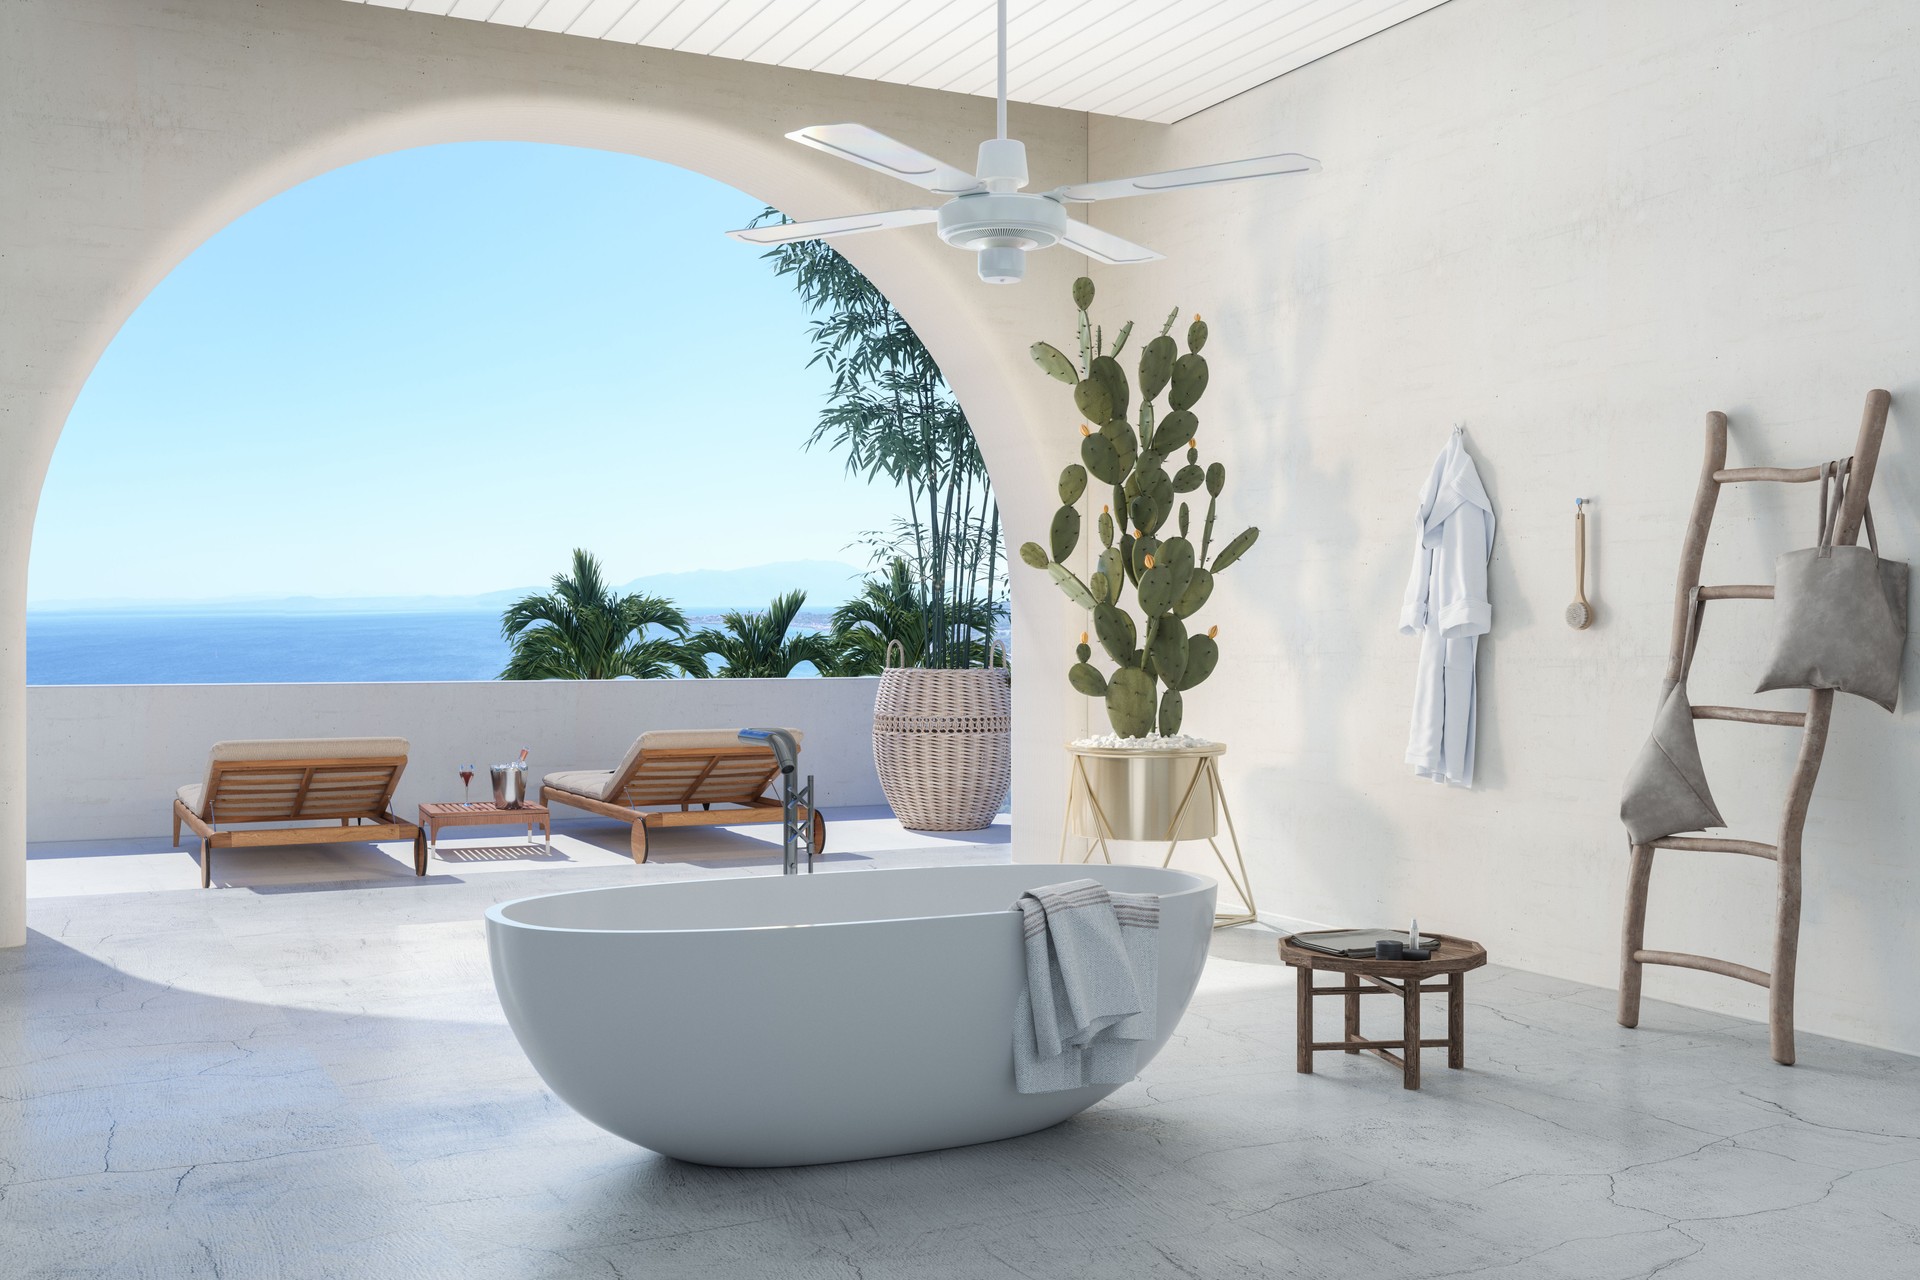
[(1447, 607)]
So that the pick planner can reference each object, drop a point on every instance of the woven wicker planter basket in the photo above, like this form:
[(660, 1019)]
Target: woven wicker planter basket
[(942, 743)]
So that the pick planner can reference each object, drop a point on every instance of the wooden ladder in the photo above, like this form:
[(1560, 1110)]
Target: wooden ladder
[(1785, 852)]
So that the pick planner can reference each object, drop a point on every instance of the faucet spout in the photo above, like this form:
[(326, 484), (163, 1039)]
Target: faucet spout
[(796, 803)]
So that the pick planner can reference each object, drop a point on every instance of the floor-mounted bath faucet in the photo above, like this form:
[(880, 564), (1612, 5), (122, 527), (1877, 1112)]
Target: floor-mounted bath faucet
[(796, 803)]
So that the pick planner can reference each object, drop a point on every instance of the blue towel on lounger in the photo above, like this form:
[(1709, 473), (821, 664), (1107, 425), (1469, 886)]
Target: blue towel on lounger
[(1092, 977)]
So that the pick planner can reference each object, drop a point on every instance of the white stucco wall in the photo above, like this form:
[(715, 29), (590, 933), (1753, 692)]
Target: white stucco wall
[(1574, 226), (130, 130), (104, 760)]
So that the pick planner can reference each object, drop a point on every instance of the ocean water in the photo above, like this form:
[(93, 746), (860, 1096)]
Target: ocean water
[(124, 647), (179, 647)]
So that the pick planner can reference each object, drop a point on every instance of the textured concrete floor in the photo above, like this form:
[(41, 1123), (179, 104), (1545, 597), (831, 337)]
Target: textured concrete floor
[(263, 1084)]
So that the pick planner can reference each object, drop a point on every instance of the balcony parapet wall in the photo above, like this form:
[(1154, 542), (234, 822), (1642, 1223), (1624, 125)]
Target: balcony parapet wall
[(103, 761)]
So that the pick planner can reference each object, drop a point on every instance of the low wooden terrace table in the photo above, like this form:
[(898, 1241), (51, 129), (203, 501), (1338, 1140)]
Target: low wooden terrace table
[(483, 813), (1451, 959)]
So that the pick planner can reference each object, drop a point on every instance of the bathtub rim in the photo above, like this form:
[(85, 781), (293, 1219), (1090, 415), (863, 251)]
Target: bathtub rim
[(495, 914)]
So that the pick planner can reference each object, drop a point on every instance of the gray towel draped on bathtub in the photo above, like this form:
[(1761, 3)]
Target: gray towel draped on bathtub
[(1092, 978)]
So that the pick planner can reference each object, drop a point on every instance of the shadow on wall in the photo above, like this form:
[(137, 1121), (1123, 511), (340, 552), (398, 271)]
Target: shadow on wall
[(1312, 552)]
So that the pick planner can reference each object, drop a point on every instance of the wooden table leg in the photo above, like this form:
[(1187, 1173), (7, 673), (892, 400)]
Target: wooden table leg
[(1303, 1021), (1353, 1009), (1456, 1020), (1411, 1021)]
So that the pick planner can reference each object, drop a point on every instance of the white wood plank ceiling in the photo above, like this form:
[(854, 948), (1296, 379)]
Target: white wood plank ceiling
[(1157, 60)]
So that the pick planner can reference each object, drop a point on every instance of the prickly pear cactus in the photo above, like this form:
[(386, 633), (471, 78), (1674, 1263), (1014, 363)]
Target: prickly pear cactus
[(1166, 653)]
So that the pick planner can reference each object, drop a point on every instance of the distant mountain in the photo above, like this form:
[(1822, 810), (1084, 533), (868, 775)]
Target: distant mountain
[(827, 583)]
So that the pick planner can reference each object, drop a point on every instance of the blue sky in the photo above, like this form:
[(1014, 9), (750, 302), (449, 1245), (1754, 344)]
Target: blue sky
[(436, 372)]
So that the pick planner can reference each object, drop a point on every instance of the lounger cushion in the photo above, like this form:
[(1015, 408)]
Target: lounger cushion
[(599, 783), (244, 750), (678, 740), (591, 783)]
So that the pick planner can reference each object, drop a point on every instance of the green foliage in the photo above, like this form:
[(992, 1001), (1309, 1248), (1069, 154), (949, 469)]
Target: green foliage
[(891, 415), (889, 608), (584, 630), (1171, 579), (750, 645)]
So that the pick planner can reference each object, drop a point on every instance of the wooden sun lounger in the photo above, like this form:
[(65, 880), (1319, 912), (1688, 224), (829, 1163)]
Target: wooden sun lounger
[(694, 770), (351, 780)]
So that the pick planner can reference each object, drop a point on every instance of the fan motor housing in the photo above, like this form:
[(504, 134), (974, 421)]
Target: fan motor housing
[(1002, 220)]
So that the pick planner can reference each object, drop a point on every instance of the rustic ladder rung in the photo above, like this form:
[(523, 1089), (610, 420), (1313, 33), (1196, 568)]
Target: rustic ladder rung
[(1726, 968), (1813, 724), (1752, 715), (1719, 844), (1779, 475)]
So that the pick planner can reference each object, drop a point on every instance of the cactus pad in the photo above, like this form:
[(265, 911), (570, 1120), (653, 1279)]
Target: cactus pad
[(1188, 478), (1216, 480), (1114, 566), (1106, 529), (1116, 633), (1069, 582), (1073, 483), (1175, 430), (1172, 707), (1156, 366), (1091, 398), (1087, 679), (1102, 458), (1083, 293), (1082, 651), (1156, 591), (1196, 334), (1189, 381), (1170, 650), (1053, 362), (1199, 587), (1235, 549), (1107, 372), (1176, 554), (1130, 702), (1203, 653), (1065, 534), (1032, 553)]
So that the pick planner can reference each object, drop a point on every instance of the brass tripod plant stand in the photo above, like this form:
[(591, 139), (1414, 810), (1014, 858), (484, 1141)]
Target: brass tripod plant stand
[(1150, 796)]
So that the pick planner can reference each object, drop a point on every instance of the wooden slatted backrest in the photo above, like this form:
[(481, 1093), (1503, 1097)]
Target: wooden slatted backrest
[(698, 775), (290, 790)]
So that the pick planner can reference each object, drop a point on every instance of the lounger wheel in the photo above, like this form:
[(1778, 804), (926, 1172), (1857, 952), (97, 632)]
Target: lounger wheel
[(819, 832), (419, 853), (638, 842)]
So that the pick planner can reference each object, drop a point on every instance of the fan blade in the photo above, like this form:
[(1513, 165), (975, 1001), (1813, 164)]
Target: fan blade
[(821, 228), (1104, 246), (886, 155), (1205, 175)]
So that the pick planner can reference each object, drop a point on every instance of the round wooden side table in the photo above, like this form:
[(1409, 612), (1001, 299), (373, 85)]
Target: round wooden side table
[(1451, 959)]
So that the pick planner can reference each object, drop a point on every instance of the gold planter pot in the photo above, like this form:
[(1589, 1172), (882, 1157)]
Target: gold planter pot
[(1134, 794), (1146, 795)]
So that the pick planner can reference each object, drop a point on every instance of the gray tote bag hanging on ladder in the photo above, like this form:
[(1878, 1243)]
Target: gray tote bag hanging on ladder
[(1841, 612), (1667, 790)]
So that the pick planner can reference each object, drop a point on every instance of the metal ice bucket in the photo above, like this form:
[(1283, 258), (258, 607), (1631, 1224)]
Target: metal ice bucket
[(1140, 794), (509, 785)]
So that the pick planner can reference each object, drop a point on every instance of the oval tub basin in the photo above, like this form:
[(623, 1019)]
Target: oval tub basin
[(784, 1020)]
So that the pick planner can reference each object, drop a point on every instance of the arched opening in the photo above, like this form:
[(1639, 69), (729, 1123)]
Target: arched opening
[(932, 289)]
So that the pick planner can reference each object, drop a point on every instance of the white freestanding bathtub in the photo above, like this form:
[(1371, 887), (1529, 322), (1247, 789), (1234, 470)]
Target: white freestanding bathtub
[(783, 1020)]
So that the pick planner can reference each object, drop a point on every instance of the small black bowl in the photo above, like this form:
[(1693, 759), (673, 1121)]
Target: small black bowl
[(1388, 949)]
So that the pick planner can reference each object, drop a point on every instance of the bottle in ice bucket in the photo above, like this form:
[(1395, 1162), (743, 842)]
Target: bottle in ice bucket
[(510, 783)]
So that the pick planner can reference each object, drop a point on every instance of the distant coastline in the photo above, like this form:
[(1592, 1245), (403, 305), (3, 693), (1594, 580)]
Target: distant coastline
[(184, 646), (301, 640)]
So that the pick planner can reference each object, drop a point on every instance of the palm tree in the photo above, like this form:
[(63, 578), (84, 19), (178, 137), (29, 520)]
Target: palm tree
[(583, 630), (889, 607), (757, 644)]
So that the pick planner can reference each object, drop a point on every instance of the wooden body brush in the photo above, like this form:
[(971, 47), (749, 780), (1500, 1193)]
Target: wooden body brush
[(1579, 613)]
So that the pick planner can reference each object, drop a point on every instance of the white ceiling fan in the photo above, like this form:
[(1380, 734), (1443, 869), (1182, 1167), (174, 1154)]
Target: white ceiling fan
[(987, 211)]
